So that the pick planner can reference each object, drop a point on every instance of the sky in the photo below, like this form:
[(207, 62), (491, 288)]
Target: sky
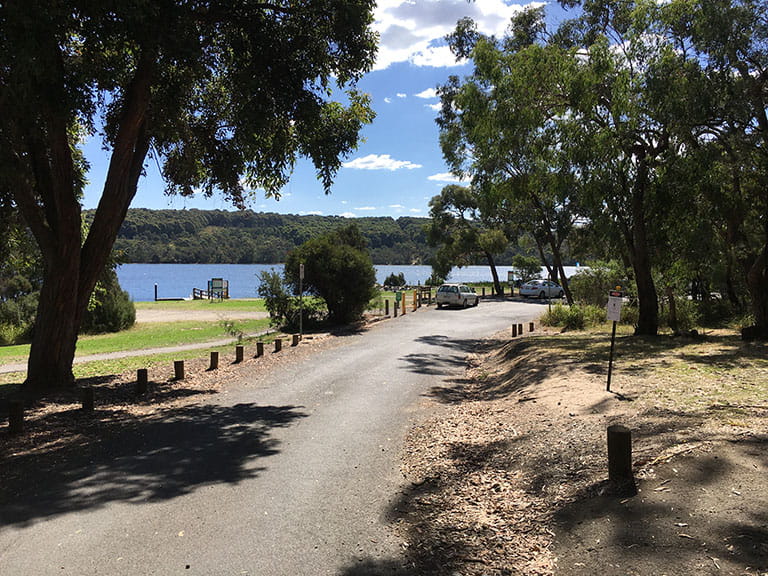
[(398, 166)]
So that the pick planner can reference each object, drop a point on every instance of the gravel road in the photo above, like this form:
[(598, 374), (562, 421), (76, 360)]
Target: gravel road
[(284, 473)]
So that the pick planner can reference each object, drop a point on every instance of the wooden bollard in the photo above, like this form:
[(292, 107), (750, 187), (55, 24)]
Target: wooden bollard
[(415, 301), (239, 351), (295, 340), (403, 303), (214, 360), (142, 381), (278, 344), (483, 291), (395, 308), (520, 329), (178, 369), (514, 330), (87, 397), (259, 349), (386, 307), (530, 326), (619, 454), (15, 417)]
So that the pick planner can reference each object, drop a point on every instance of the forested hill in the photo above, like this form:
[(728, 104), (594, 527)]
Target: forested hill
[(247, 237)]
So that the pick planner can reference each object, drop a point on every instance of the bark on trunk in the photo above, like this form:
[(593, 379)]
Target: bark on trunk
[(648, 303), (757, 284), (494, 273)]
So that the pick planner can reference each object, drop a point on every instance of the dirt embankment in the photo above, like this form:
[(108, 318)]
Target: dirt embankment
[(510, 475)]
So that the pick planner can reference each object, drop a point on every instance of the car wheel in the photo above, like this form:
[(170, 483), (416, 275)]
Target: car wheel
[(477, 301), (542, 295), (439, 306), (465, 303), (561, 294)]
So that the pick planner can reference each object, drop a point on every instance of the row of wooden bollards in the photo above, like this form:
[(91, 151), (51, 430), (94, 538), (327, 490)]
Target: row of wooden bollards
[(87, 394), (517, 329)]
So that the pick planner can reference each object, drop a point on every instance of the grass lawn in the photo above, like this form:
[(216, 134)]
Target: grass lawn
[(239, 305), (142, 336)]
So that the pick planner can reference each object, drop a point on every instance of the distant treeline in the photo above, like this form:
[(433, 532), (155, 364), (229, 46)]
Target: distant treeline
[(247, 237)]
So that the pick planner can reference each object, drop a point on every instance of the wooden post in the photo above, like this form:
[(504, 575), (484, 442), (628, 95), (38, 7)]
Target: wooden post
[(619, 454), (239, 350), (386, 307), (15, 417), (259, 349), (278, 344), (214, 360), (414, 301), (87, 398), (520, 329), (295, 340), (514, 330), (395, 307), (403, 303), (178, 369), (142, 381), (530, 326), (483, 291)]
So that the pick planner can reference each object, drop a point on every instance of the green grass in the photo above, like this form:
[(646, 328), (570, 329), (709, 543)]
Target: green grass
[(142, 336), (239, 305)]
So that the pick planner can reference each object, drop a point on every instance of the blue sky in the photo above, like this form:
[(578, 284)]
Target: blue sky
[(398, 167)]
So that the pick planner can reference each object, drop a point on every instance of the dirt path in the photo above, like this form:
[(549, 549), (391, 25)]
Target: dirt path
[(146, 316)]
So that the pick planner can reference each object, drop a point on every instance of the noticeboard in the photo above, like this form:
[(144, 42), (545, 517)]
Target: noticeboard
[(615, 299)]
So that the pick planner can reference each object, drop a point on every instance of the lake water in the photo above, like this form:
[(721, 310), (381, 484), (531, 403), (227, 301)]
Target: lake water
[(178, 280)]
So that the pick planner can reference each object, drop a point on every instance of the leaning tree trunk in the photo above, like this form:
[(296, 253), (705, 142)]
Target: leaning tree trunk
[(757, 284), (494, 273)]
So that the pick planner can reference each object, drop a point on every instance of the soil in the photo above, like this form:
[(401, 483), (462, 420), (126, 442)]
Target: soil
[(510, 474)]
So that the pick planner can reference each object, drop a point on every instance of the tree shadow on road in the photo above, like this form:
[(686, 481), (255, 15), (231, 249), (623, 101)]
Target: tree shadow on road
[(113, 456)]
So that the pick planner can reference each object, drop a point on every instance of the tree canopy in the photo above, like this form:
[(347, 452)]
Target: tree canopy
[(225, 95)]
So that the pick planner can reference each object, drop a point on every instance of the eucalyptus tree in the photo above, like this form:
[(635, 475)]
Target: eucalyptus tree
[(225, 94), (721, 57), (461, 230), (500, 127)]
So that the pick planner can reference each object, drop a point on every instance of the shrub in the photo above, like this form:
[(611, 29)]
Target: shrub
[(568, 317), (338, 269), (591, 285), (395, 280), (110, 309), (277, 300)]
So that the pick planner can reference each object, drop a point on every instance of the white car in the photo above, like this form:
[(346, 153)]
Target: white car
[(541, 289), (456, 295)]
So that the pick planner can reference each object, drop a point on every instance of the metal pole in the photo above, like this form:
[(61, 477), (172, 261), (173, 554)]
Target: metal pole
[(301, 301), (610, 358)]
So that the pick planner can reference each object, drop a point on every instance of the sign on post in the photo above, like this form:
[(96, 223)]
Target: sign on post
[(615, 298), (614, 313)]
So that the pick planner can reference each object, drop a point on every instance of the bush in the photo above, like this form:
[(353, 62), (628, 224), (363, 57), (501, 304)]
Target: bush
[(277, 300), (591, 285), (338, 269), (567, 317), (110, 309), (395, 280)]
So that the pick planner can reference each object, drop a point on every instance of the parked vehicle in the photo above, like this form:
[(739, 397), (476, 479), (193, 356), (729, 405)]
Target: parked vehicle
[(456, 295), (541, 289)]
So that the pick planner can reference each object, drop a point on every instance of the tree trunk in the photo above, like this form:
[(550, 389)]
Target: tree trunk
[(648, 318), (757, 284), (672, 310), (494, 273)]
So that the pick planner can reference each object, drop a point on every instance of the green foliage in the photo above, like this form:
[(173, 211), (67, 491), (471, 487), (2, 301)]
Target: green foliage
[(593, 282), (338, 269), (110, 309), (278, 301), (574, 317), (434, 279), (526, 267), (395, 280)]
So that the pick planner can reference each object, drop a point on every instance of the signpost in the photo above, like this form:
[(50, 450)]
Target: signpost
[(301, 301), (615, 298)]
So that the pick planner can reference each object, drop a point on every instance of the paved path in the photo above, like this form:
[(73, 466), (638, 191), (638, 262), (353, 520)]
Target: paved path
[(288, 473)]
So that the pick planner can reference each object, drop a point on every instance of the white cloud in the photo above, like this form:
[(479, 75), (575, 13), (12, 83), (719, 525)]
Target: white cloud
[(448, 177), (415, 210), (379, 162), (436, 106), (348, 215), (365, 208), (401, 95), (311, 213), (396, 206), (415, 32), (388, 100), (428, 93)]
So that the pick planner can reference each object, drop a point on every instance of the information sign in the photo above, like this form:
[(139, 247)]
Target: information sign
[(614, 305)]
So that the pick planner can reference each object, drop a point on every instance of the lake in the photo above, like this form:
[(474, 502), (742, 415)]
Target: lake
[(178, 280)]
